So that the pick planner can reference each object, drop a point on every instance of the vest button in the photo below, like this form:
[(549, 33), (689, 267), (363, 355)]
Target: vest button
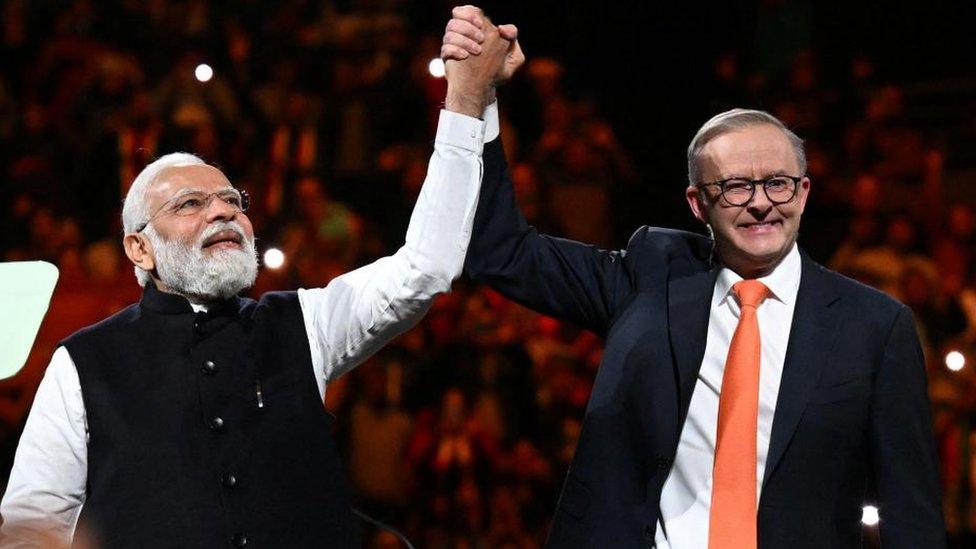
[(209, 367), (228, 480), (239, 540), (662, 462), (216, 424)]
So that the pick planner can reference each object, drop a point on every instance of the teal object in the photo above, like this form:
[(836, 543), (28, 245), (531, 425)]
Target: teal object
[(25, 293)]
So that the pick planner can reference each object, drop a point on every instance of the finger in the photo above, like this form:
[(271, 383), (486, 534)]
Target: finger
[(465, 28), (464, 42), (513, 60), (449, 51), (508, 32), (472, 14), (491, 35), (515, 55)]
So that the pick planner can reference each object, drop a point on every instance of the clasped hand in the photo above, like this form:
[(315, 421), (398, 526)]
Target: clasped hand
[(478, 56)]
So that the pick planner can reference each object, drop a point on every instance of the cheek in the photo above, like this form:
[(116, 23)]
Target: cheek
[(791, 212), (724, 219), (179, 231), (246, 225)]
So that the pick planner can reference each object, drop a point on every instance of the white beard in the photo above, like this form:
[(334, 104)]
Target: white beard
[(201, 277)]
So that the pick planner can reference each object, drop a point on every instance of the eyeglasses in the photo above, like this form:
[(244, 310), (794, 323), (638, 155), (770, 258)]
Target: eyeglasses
[(779, 189), (194, 202)]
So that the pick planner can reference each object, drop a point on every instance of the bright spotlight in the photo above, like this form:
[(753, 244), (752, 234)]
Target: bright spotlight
[(274, 258), (954, 360), (436, 67), (203, 72), (870, 516)]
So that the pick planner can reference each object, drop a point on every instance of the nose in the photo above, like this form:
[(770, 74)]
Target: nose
[(760, 201)]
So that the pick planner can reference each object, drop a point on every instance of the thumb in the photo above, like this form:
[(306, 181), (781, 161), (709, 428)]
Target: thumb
[(515, 55), (508, 32)]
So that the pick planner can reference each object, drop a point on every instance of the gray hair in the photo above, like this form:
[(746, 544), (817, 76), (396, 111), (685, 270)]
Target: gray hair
[(135, 211), (732, 120)]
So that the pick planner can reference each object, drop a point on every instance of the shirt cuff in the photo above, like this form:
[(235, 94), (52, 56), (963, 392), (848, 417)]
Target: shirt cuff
[(492, 129), (461, 131)]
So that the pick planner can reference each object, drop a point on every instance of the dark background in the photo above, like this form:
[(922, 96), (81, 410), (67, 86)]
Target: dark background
[(884, 93)]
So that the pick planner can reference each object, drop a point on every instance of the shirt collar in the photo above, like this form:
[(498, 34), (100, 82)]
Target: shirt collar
[(783, 282)]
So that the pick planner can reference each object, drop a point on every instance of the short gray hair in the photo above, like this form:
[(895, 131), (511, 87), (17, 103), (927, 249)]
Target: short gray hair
[(732, 120), (135, 212)]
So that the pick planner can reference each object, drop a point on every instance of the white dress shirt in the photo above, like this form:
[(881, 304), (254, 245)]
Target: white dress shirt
[(346, 322), (687, 494)]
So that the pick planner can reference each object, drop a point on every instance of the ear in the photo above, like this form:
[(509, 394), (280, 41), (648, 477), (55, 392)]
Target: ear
[(804, 192), (139, 251), (697, 203)]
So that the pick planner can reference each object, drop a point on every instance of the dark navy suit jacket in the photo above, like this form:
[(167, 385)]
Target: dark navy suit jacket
[(852, 414)]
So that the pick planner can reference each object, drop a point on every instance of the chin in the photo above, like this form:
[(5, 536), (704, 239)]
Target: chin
[(765, 246)]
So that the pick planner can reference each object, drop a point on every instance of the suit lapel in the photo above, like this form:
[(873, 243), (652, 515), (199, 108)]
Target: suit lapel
[(810, 336), (689, 304)]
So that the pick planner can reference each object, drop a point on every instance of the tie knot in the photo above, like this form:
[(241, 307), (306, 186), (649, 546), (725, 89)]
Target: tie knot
[(750, 293)]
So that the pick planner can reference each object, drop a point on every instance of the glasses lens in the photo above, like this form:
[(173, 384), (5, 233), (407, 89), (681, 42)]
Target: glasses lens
[(780, 189), (233, 198), (737, 191), (189, 204), (193, 203)]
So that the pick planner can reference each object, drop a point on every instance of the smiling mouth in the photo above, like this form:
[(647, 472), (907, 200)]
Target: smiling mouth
[(761, 226), (222, 240)]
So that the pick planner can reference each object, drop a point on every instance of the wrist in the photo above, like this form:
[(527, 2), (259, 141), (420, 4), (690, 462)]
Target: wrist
[(468, 101)]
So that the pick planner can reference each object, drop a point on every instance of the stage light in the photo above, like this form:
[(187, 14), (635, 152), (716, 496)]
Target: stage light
[(954, 360), (203, 72), (274, 258), (870, 516), (436, 67)]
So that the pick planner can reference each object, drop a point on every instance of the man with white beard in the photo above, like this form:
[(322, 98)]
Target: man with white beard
[(221, 262), (194, 418)]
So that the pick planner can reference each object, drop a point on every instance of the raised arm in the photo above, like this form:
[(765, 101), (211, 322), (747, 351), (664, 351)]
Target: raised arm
[(360, 311), (569, 280)]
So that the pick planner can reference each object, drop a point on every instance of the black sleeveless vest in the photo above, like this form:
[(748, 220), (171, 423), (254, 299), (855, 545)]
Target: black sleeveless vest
[(207, 430)]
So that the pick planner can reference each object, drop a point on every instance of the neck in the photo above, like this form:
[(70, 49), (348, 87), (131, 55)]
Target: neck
[(752, 273), (193, 299), (749, 268)]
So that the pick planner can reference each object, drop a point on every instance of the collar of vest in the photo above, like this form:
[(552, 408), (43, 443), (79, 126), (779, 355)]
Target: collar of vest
[(173, 304)]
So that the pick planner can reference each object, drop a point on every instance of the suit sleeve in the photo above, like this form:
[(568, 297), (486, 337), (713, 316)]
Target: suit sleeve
[(569, 280), (905, 461)]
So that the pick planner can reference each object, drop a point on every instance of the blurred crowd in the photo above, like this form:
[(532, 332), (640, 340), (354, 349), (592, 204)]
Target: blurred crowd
[(460, 432)]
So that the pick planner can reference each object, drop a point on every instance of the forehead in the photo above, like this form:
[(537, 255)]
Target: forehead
[(754, 152), (174, 179)]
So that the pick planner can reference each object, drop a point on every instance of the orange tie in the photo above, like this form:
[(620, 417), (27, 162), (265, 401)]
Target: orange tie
[(732, 520)]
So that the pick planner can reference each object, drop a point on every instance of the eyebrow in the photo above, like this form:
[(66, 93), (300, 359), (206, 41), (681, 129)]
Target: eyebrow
[(184, 191), (775, 173), (191, 190)]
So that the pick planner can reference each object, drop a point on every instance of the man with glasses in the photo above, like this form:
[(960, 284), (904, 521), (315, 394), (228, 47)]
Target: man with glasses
[(195, 418), (747, 396)]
